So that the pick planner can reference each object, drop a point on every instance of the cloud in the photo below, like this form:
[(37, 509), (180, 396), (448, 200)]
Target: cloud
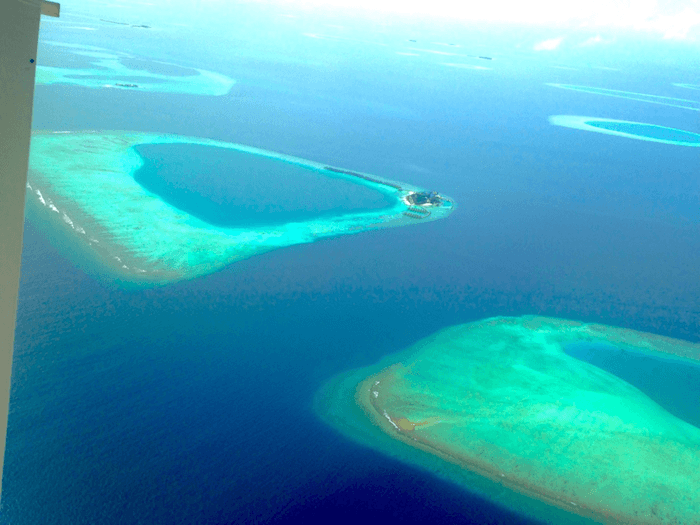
[(674, 27), (671, 19), (592, 41), (548, 45)]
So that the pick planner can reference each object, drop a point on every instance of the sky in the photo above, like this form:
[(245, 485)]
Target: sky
[(670, 19), (664, 19)]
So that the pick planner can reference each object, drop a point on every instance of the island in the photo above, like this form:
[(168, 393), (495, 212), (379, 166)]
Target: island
[(135, 226), (518, 410), (419, 203)]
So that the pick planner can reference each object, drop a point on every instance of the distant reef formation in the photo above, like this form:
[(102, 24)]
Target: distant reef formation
[(627, 129), (118, 70), (125, 24), (674, 102), (502, 407), (83, 184)]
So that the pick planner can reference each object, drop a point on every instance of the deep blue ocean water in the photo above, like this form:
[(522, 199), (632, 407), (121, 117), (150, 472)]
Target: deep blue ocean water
[(192, 403)]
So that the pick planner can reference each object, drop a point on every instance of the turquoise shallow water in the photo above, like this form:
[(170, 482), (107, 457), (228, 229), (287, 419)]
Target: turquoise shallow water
[(672, 383), (235, 189), (500, 397), (192, 403), (158, 68), (646, 130), (120, 78)]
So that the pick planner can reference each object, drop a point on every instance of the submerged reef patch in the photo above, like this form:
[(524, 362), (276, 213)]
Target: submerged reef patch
[(631, 130), (640, 97), (501, 400), (94, 67), (84, 183), (688, 86)]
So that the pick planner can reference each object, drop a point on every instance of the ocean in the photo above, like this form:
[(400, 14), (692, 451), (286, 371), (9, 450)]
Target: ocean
[(193, 402)]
